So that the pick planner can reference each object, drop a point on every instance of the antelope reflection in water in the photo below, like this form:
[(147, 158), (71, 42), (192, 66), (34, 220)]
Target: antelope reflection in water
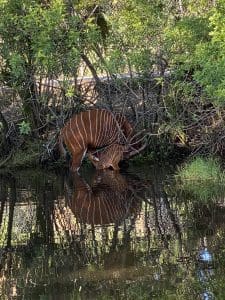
[(108, 199)]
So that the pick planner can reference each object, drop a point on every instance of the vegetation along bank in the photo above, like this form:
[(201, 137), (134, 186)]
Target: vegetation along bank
[(160, 63)]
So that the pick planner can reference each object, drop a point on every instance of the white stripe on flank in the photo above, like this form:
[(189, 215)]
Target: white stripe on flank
[(106, 131), (78, 128), (68, 140), (84, 127), (99, 129), (96, 128), (114, 127), (103, 128), (74, 136), (114, 132), (110, 126), (90, 123)]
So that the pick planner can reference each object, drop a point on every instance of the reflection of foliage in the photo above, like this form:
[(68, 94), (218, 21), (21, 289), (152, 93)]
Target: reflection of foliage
[(27, 155), (149, 255)]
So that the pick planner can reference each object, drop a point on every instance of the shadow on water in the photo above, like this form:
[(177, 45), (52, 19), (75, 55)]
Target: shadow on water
[(108, 235)]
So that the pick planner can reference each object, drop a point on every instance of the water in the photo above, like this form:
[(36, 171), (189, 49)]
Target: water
[(107, 235)]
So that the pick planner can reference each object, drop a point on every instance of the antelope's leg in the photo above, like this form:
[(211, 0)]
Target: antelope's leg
[(115, 167), (77, 160)]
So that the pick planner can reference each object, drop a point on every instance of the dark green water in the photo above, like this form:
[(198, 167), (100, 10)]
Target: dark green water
[(108, 235)]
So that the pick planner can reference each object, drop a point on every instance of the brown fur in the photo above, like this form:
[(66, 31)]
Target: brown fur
[(109, 157), (93, 129)]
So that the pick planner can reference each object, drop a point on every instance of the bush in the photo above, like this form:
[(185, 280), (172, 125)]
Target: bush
[(202, 179)]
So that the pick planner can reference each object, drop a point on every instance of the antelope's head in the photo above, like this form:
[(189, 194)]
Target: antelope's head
[(107, 158)]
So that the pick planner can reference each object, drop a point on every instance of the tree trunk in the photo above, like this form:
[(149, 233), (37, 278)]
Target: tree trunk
[(30, 102), (91, 68)]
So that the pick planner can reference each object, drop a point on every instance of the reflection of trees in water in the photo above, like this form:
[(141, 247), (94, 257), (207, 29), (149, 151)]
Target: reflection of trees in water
[(20, 233), (115, 221), (3, 198), (7, 191), (94, 212)]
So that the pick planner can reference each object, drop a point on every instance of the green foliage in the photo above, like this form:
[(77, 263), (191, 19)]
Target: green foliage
[(136, 31), (42, 40), (211, 57), (49, 38), (24, 128), (27, 156), (17, 65), (201, 169), (197, 45), (52, 39), (203, 179), (44, 37), (181, 38)]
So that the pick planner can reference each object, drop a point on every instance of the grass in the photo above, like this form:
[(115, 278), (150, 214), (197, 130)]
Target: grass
[(202, 178), (202, 169)]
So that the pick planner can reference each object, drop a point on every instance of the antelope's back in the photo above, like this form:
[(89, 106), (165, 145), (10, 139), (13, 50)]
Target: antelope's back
[(92, 128)]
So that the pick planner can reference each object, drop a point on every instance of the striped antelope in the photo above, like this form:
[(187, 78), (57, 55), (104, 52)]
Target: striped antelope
[(94, 129)]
